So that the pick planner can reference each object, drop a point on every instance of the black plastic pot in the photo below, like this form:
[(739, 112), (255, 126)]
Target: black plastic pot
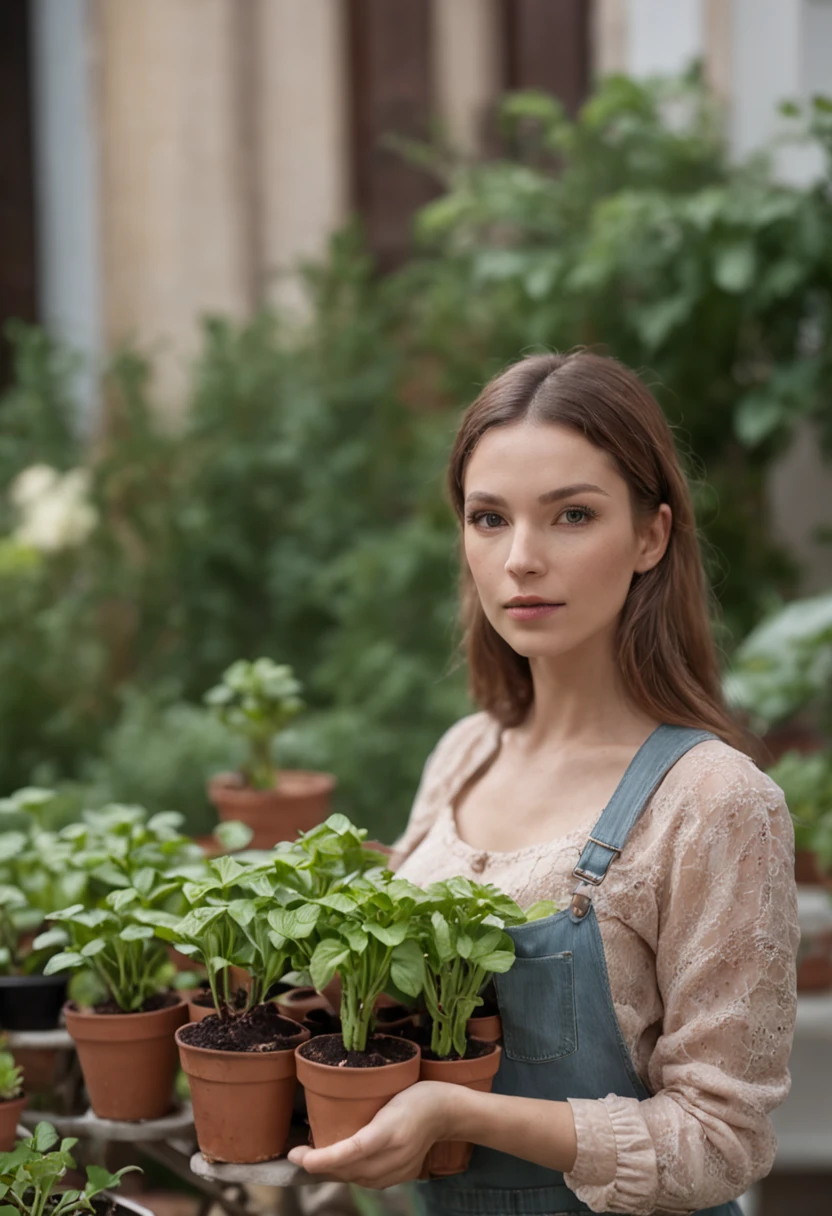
[(31, 1002)]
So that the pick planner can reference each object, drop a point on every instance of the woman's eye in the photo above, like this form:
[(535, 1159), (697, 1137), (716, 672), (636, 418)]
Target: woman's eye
[(585, 513), (491, 519)]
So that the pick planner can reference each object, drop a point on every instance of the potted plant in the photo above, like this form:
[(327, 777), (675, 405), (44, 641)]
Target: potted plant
[(31, 1171), (240, 1061), (460, 930), (125, 1043), (318, 863), (35, 876), (806, 782), (12, 1100), (365, 934), (257, 700)]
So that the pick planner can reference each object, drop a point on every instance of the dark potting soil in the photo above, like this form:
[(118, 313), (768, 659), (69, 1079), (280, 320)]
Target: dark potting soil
[(161, 1000), (421, 1035), (381, 1050), (261, 1029)]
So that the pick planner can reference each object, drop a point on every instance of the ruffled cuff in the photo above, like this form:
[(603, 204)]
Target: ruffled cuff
[(615, 1169)]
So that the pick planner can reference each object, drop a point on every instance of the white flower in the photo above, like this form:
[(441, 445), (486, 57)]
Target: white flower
[(32, 484), (54, 508)]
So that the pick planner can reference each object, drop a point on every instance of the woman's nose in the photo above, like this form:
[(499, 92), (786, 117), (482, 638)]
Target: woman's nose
[(525, 556)]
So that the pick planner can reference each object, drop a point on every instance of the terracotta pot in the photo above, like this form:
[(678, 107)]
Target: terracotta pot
[(128, 1059), (242, 1100), (807, 870), (10, 1112), (198, 1013), (300, 801), (488, 1029), (404, 1017), (239, 978), (296, 1003), (340, 1101), (39, 1065), (182, 962), (814, 973), (452, 1156)]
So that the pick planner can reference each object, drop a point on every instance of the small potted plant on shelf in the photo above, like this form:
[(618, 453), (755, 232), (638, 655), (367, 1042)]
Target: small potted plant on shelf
[(125, 1042), (365, 934), (31, 1172), (257, 700), (12, 1099), (35, 876), (239, 1061)]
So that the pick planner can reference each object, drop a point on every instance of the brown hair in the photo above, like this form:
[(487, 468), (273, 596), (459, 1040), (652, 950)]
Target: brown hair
[(665, 646)]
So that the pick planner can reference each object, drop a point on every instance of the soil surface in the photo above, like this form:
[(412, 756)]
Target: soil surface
[(161, 1000), (475, 1048), (381, 1050), (262, 1029)]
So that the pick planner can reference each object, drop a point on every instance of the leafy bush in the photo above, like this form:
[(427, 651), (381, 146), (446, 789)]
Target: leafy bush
[(298, 512), (30, 1173)]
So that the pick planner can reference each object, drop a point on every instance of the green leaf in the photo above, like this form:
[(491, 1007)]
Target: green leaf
[(497, 960), (44, 1137), (64, 962), (407, 967), (136, 933), (94, 947), (233, 835), (464, 945), (326, 959), (389, 935)]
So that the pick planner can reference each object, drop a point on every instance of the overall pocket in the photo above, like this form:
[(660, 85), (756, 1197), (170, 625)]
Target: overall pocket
[(537, 1005)]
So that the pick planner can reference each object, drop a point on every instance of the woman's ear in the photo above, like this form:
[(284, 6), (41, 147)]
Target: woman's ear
[(653, 539)]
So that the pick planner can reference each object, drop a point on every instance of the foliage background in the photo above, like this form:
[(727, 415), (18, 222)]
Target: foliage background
[(298, 511)]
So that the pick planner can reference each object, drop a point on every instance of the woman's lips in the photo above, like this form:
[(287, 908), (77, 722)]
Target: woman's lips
[(530, 612)]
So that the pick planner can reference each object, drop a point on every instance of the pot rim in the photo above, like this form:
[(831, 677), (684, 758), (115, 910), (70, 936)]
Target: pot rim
[(296, 1040), (71, 1010), (8, 1103), (350, 1069), (229, 781), (39, 980)]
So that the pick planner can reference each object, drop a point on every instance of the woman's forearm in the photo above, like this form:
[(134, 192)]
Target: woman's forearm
[(532, 1128)]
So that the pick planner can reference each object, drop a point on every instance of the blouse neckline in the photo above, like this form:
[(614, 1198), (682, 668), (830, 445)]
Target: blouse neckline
[(486, 748)]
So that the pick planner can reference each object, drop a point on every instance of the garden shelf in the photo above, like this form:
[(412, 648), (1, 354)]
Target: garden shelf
[(58, 1039), (177, 1123), (279, 1172)]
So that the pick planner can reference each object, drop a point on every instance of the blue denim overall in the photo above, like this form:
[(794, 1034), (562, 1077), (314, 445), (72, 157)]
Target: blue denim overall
[(561, 1037)]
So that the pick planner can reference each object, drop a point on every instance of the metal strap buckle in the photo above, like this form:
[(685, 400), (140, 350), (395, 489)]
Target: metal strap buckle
[(604, 845), (589, 875)]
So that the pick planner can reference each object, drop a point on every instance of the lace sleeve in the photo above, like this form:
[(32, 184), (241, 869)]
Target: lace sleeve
[(725, 967)]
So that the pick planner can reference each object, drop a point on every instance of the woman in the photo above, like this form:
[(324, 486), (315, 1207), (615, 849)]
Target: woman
[(647, 1026)]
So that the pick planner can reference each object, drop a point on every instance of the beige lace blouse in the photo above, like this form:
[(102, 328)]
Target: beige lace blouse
[(699, 923)]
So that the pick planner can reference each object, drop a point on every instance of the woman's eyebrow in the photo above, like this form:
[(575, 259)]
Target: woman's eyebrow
[(581, 487)]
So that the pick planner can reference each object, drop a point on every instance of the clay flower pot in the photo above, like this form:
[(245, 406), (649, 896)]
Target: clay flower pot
[(198, 1012), (10, 1112), (128, 1059), (488, 1029), (342, 1100), (452, 1156), (299, 802), (297, 1002), (242, 1100)]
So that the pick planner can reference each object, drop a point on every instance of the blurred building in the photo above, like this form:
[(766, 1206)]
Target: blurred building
[(161, 159)]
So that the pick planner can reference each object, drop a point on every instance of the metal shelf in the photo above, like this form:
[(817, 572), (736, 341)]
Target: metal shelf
[(89, 1124)]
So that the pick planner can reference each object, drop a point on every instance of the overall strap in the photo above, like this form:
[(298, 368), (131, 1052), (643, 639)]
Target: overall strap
[(652, 761)]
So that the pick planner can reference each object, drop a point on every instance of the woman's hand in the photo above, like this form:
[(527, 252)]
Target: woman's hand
[(393, 1146)]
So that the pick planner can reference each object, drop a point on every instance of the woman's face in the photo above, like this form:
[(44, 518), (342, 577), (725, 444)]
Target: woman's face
[(548, 520)]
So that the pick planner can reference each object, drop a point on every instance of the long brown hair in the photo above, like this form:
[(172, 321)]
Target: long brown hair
[(665, 646)]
